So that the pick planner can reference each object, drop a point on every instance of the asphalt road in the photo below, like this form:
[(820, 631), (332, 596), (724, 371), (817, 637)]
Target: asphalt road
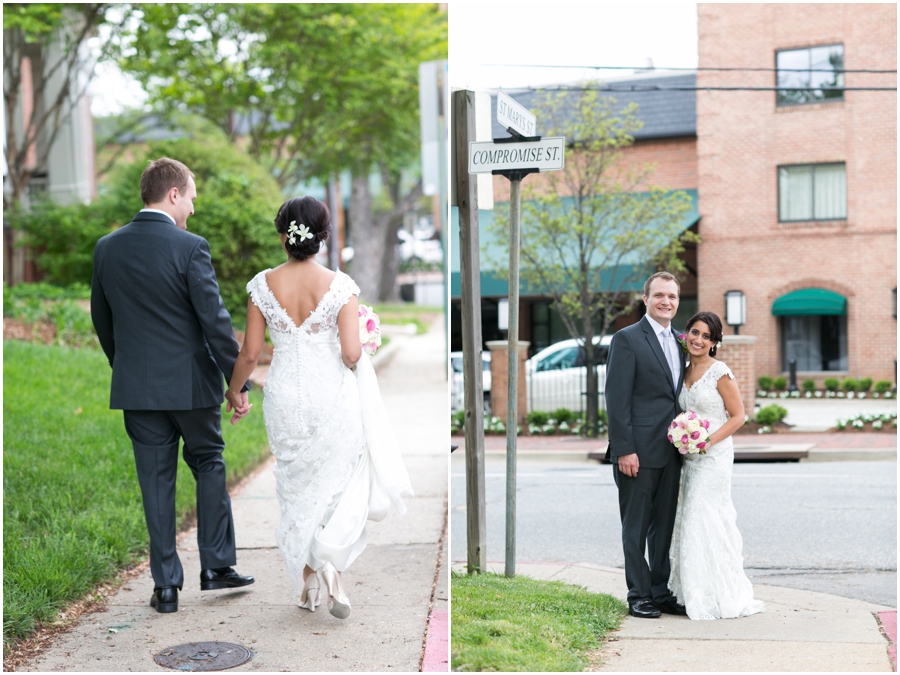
[(829, 527)]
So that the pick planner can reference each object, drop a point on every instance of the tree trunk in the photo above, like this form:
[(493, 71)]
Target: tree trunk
[(388, 291), (366, 240)]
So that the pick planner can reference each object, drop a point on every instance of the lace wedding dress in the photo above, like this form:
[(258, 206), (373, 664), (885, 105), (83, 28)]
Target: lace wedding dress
[(337, 462), (707, 565)]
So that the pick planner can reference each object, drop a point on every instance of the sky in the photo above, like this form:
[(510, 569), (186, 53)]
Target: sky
[(565, 33)]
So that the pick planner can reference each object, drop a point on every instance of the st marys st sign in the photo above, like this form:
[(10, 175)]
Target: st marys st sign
[(512, 115)]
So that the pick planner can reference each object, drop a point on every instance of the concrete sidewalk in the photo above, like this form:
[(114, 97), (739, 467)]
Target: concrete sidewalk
[(398, 587), (798, 631)]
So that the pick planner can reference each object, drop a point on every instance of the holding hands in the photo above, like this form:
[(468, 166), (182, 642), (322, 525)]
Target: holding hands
[(237, 401)]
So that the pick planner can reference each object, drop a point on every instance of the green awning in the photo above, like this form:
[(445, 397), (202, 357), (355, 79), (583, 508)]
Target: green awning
[(809, 301)]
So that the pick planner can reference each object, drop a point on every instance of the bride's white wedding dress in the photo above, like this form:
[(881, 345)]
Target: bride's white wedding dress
[(707, 566), (337, 462)]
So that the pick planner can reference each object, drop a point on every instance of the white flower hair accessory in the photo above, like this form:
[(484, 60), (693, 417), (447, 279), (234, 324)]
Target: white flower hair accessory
[(302, 232)]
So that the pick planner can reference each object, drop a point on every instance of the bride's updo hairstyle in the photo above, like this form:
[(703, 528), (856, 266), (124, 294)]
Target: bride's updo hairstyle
[(301, 211), (715, 328)]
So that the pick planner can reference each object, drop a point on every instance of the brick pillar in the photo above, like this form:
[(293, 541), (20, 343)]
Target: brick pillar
[(500, 379), (738, 353)]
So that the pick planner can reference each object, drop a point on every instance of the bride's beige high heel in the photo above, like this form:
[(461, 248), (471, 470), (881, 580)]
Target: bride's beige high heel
[(310, 596), (338, 602)]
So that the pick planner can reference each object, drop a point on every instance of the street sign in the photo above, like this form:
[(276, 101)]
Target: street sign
[(515, 115), (547, 154)]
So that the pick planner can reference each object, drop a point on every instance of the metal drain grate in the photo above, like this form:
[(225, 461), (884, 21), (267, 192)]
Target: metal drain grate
[(203, 656)]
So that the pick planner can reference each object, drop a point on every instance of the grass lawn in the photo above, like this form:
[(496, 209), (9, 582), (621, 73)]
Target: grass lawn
[(406, 312), (521, 624), (72, 514)]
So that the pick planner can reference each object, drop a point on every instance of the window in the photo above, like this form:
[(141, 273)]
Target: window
[(812, 192), (818, 342), (812, 68)]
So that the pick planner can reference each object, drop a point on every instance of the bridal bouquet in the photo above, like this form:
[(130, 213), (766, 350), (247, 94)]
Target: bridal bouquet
[(689, 433), (369, 329)]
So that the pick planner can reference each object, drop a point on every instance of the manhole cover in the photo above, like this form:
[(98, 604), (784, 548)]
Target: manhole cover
[(197, 656)]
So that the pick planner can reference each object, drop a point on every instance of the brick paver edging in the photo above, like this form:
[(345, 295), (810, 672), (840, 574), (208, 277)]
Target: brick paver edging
[(889, 626), (437, 643)]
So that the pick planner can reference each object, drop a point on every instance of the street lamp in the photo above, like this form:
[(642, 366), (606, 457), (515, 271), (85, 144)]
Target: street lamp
[(735, 310)]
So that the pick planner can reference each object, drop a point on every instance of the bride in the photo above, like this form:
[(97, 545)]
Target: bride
[(707, 567), (337, 463)]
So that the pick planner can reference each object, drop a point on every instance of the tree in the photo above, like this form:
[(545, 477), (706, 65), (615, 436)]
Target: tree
[(47, 66), (309, 89), (593, 232)]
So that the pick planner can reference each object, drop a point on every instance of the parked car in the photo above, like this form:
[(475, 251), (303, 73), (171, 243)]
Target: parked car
[(556, 377), (457, 395), (419, 247)]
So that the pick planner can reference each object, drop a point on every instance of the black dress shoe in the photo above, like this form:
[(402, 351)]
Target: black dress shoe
[(224, 577), (670, 606), (643, 609), (165, 599)]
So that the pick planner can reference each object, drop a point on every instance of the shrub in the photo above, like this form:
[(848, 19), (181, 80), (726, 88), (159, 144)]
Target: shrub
[(849, 384), (61, 238), (538, 418), (832, 383), (883, 386), (765, 382), (809, 385), (864, 384), (563, 415), (602, 417), (771, 415), (459, 418), (779, 383)]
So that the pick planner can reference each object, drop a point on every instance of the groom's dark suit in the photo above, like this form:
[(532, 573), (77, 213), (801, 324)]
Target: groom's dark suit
[(156, 307), (641, 401)]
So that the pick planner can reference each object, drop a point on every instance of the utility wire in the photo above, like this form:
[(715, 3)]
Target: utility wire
[(648, 69), (639, 88)]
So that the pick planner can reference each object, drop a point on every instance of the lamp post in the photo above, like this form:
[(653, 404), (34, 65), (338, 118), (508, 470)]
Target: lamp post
[(735, 310)]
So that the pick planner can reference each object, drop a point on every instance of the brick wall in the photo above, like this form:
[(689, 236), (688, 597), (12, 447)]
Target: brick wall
[(500, 379), (737, 352), (742, 137), (675, 160)]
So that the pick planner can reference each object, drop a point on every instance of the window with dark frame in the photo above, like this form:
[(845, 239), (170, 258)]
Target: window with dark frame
[(812, 192), (818, 343), (817, 71)]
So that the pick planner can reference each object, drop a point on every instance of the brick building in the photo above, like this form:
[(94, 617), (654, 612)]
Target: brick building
[(798, 189), (667, 139)]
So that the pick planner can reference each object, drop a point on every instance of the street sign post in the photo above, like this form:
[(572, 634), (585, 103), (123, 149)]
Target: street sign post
[(514, 117), (514, 158)]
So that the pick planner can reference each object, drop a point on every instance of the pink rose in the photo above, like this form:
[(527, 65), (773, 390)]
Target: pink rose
[(695, 435), (684, 439), (370, 325)]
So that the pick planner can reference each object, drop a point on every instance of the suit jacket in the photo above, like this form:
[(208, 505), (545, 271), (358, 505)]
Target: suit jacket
[(640, 399), (156, 308)]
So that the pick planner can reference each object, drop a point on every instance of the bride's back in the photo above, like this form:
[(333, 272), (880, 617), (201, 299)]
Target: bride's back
[(299, 288)]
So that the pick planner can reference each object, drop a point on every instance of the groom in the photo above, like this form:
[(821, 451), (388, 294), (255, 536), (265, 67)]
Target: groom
[(156, 308), (644, 373)]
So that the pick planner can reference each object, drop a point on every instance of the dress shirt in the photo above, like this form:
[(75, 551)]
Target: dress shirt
[(158, 211), (669, 346)]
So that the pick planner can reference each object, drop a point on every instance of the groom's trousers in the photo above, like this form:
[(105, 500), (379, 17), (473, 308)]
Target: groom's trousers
[(155, 435), (647, 505)]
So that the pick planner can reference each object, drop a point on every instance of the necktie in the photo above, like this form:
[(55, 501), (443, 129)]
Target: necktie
[(671, 357)]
